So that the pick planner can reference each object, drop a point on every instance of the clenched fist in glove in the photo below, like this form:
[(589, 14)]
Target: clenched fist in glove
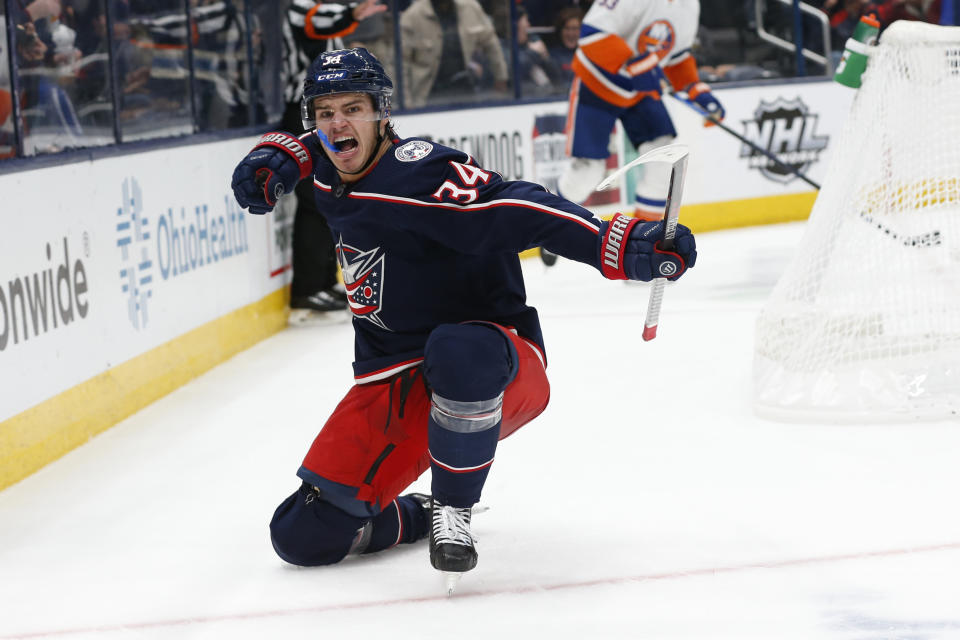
[(272, 168), (630, 250), (700, 94)]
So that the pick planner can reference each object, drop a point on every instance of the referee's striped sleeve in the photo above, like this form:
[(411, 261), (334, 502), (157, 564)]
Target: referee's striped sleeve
[(321, 20)]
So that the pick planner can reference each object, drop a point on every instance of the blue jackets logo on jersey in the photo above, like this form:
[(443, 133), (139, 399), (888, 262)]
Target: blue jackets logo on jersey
[(413, 151), (363, 280)]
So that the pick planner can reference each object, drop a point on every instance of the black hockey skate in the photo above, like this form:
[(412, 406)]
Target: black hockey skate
[(548, 257), (321, 307), (423, 500), (452, 547)]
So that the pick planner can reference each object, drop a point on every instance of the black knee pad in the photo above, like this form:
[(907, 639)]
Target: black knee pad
[(469, 362), (307, 531)]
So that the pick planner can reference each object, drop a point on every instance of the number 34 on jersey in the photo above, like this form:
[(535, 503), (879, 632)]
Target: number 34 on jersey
[(467, 191)]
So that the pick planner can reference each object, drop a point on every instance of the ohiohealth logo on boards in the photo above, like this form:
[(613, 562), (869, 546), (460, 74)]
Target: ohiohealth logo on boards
[(179, 242)]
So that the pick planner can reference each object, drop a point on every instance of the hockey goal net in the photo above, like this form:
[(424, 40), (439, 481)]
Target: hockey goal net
[(864, 325)]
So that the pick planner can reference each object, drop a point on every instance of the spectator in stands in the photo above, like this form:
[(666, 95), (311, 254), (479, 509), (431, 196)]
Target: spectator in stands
[(94, 90), (566, 34), (50, 120), (446, 46), (499, 13), (543, 13), (845, 14), (923, 10), (218, 46), (131, 60), (539, 74), (375, 34), (8, 147)]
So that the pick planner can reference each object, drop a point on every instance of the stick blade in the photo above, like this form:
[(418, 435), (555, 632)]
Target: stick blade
[(669, 153)]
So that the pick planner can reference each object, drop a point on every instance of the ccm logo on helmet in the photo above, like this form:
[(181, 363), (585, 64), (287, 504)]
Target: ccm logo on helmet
[(339, 75)]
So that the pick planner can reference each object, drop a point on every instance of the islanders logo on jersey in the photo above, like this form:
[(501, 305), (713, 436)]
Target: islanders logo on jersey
[(363, 280), (658, 37)]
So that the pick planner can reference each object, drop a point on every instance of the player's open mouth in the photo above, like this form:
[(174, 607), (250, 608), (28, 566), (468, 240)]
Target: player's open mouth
[(345, 143)]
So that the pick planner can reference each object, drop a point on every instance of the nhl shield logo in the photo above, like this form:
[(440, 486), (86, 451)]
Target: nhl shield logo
[(363, 279), (787, 129), (413, 151)]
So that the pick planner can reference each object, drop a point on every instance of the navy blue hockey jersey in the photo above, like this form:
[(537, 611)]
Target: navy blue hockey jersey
[(427, 237)]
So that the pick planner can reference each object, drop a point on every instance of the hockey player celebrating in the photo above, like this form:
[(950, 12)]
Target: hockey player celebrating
[(625, 50), (449, 358)]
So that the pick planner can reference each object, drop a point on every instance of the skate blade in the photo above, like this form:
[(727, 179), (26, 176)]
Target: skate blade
[(451, 579), (310, 318)]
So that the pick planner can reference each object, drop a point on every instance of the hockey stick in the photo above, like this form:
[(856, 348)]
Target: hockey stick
[(676, 155), (667, 153), (747, 141)]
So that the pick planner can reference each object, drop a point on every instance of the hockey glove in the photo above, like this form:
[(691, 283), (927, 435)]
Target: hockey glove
[(646, 75), (699, 93), (271, 169), (630, 250)]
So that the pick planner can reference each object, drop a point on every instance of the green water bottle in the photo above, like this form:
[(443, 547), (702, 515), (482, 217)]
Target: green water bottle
[(856, 51)]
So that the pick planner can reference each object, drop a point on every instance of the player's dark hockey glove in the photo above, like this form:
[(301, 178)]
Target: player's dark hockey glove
[(271, 169), (700, 94), (646, 75), (630, 250)]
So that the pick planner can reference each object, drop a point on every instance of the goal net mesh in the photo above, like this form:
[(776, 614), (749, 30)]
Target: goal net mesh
[(865, 322)]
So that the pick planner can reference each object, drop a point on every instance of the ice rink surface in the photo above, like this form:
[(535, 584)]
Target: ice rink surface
[(646, 502)]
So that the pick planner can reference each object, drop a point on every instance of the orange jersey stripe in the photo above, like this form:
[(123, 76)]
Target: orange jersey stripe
[(605, 89), (607, 51), (644, 65), (599, 87), (568, 130), (6, 106), (682, 74)]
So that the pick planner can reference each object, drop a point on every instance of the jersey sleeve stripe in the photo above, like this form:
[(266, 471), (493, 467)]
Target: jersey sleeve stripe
[(590, 225), (606, 50), (574, 101), (597, 82), (682, 74), (643, 65), (589, 30), (677, 56)]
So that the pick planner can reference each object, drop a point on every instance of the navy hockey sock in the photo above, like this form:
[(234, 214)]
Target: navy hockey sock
[(388, 529), (467, 366), (460, 462)]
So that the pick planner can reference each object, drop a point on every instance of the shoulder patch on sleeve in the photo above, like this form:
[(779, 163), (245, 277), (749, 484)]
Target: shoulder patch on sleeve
[(413, 151)]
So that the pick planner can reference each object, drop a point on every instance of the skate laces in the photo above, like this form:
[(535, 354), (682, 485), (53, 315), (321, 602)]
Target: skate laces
[(451, 525)]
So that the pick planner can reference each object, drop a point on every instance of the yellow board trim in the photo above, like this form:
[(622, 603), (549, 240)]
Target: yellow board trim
[(751, 212), (44, 433)]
